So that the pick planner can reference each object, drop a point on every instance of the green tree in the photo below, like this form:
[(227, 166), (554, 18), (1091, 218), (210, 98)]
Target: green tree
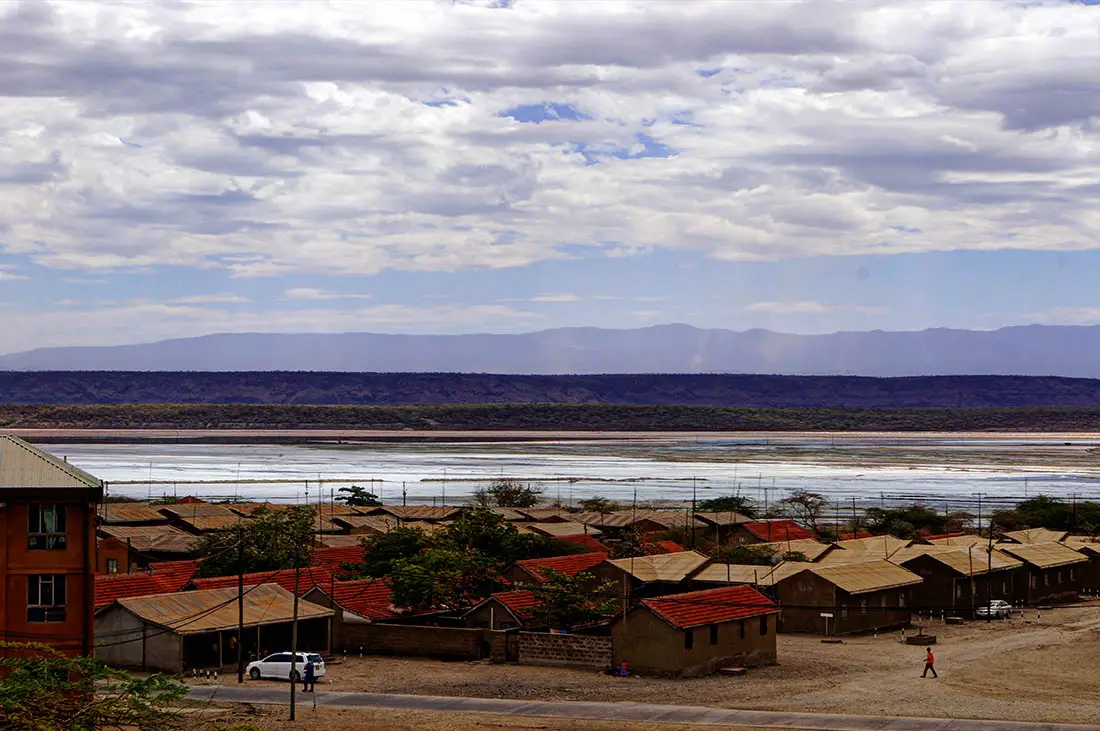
[(46, 691), (749, 555), (270, 540), (599, 504), (382, 550), (443, 579), (728, 504), (497, 539), (358, 496), (507, 494), (633, 543), (906, 522), (566, 601)]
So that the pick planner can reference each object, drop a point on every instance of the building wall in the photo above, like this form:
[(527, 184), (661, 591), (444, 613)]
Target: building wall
[(650, 645), (1090, 574), (518, 575), (805, 596), (1042, 584), (108, 549), (125, 641), (76, 562), (492, 615), (397, 639), (576, 651)]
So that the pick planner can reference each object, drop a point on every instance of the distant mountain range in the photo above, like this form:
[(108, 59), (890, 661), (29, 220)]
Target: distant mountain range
[(1040, 350)]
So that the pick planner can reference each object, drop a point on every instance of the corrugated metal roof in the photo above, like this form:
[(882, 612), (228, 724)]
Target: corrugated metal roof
[(860, 578), (206, 523), (163, 578), (24, 465), (1044, 555), (711, 606), (370, 598), (720, 573), (962, 541), (416, 512), (568, 565), (116, 513), (144, 531), (307, 578), (376, 523), (187, 511), (545, 514), (586, 541), (972, 560), (883, 545), (508, 513), (338, 541), (811, 548), (662, 567), (556, 530), (723, 519), (1036, 535), (195, 612)]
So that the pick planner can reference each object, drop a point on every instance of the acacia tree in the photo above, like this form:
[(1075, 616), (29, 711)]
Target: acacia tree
[(270, 540), (358, 496), (807, 508)]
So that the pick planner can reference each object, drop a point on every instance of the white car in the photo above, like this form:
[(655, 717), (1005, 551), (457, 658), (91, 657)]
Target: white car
[(997, 608), (278, 666)]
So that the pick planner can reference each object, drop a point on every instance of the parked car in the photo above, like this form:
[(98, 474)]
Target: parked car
[(278, 666), (998, 608)]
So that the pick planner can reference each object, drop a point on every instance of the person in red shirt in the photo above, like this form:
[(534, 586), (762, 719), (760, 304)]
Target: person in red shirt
[(929, 663)]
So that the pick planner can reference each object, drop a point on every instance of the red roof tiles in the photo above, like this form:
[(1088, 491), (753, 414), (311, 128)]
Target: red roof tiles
[(777, 530), (568, 565), (309, 577), (660, 547), (166, 577), (370, 598), (519, 603), (332, 558), (711, 606)]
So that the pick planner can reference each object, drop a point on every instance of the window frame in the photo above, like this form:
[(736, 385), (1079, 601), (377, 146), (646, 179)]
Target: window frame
[(40, 536), (764, 625), (689, 639), (47, 612), (714, 634)]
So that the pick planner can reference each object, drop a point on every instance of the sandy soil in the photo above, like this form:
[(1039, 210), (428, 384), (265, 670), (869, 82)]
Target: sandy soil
[(1016, 669)]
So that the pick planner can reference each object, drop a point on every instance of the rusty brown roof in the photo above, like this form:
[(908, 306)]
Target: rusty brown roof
[(377, 523), (555, 530), (962, 541), (968, 561), (1035, 535), (211, 610), (202, 510), (883, 545), (113, 513), (723, 519)]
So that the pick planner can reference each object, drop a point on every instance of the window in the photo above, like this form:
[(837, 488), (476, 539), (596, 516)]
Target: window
[(1034, 581), (764, 626), (742, 629), (1059, 576), (112, 566), (884, 601), (1046, 579), (863, 606), (714, 634), (901, 599), (1073, 574), (689, 639), (46, 527), (1004, 588), (958, 591), (843, 610), (45, 598)]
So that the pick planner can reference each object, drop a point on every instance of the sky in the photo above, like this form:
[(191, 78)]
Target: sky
[(176, 169)]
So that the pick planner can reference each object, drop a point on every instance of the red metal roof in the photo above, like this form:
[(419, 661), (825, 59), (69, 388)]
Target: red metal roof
[(166, 577), (519, 603), (660, 547), (371, 598), (777, 530), (568, 565), (854, 536), (332, 558), (711, 606), (582, 539)]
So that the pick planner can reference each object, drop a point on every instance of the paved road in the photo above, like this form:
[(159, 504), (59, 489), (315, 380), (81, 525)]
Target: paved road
[(650, 712)]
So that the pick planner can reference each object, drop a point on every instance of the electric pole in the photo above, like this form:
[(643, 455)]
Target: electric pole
[(240, 604)]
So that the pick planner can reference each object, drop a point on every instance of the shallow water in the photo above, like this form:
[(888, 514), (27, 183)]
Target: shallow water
[(654, 471)]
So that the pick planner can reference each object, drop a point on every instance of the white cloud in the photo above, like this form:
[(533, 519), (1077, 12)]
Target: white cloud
[(1066, 316), (806, 307), (310, 293), (155, 135), (209, 299), (6, 276)]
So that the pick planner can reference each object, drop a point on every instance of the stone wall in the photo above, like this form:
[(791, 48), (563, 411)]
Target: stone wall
[(580, 651), (398, 639)]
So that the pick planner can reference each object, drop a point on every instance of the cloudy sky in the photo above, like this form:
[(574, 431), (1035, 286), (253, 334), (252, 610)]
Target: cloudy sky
[(178, 169)]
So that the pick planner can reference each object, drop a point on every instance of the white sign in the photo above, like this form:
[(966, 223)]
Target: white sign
[(827, 615)]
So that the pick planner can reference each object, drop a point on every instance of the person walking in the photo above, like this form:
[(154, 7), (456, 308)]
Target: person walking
[(929, 663), (309, 678)]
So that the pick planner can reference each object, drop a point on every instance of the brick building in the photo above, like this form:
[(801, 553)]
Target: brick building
[(698, 632), (47, 549)]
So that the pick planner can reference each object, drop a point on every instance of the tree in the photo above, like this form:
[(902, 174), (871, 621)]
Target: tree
[(599, 504), (497, 539), (443, 579), (728, 504), (270, 540), (806, 508), (747, 555), (46, 691), (565, 601), (632, 543), (507, 494), (384, 549), (359, 497), (906, 522)]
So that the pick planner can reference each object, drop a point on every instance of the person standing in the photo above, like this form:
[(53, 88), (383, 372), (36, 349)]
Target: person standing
[(929, 663), (309, 678)]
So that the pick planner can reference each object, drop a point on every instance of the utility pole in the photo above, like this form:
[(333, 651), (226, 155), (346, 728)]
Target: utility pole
[(294, 640), (989, 570), (691, 523), (855, 520), (240, 604)]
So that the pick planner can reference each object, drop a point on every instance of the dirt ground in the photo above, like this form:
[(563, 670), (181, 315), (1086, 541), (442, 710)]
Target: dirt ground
[(1020, 669), (371, 719)]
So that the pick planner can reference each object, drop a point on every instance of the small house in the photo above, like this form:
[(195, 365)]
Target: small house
[(645, 576), (846, 597), (1034, 535), (1054, 571), (698, 632), (956, 580), (504, 610), (534, 570)]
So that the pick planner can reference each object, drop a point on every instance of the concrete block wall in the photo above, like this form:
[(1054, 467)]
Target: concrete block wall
[(396, 639), (537, 648)]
